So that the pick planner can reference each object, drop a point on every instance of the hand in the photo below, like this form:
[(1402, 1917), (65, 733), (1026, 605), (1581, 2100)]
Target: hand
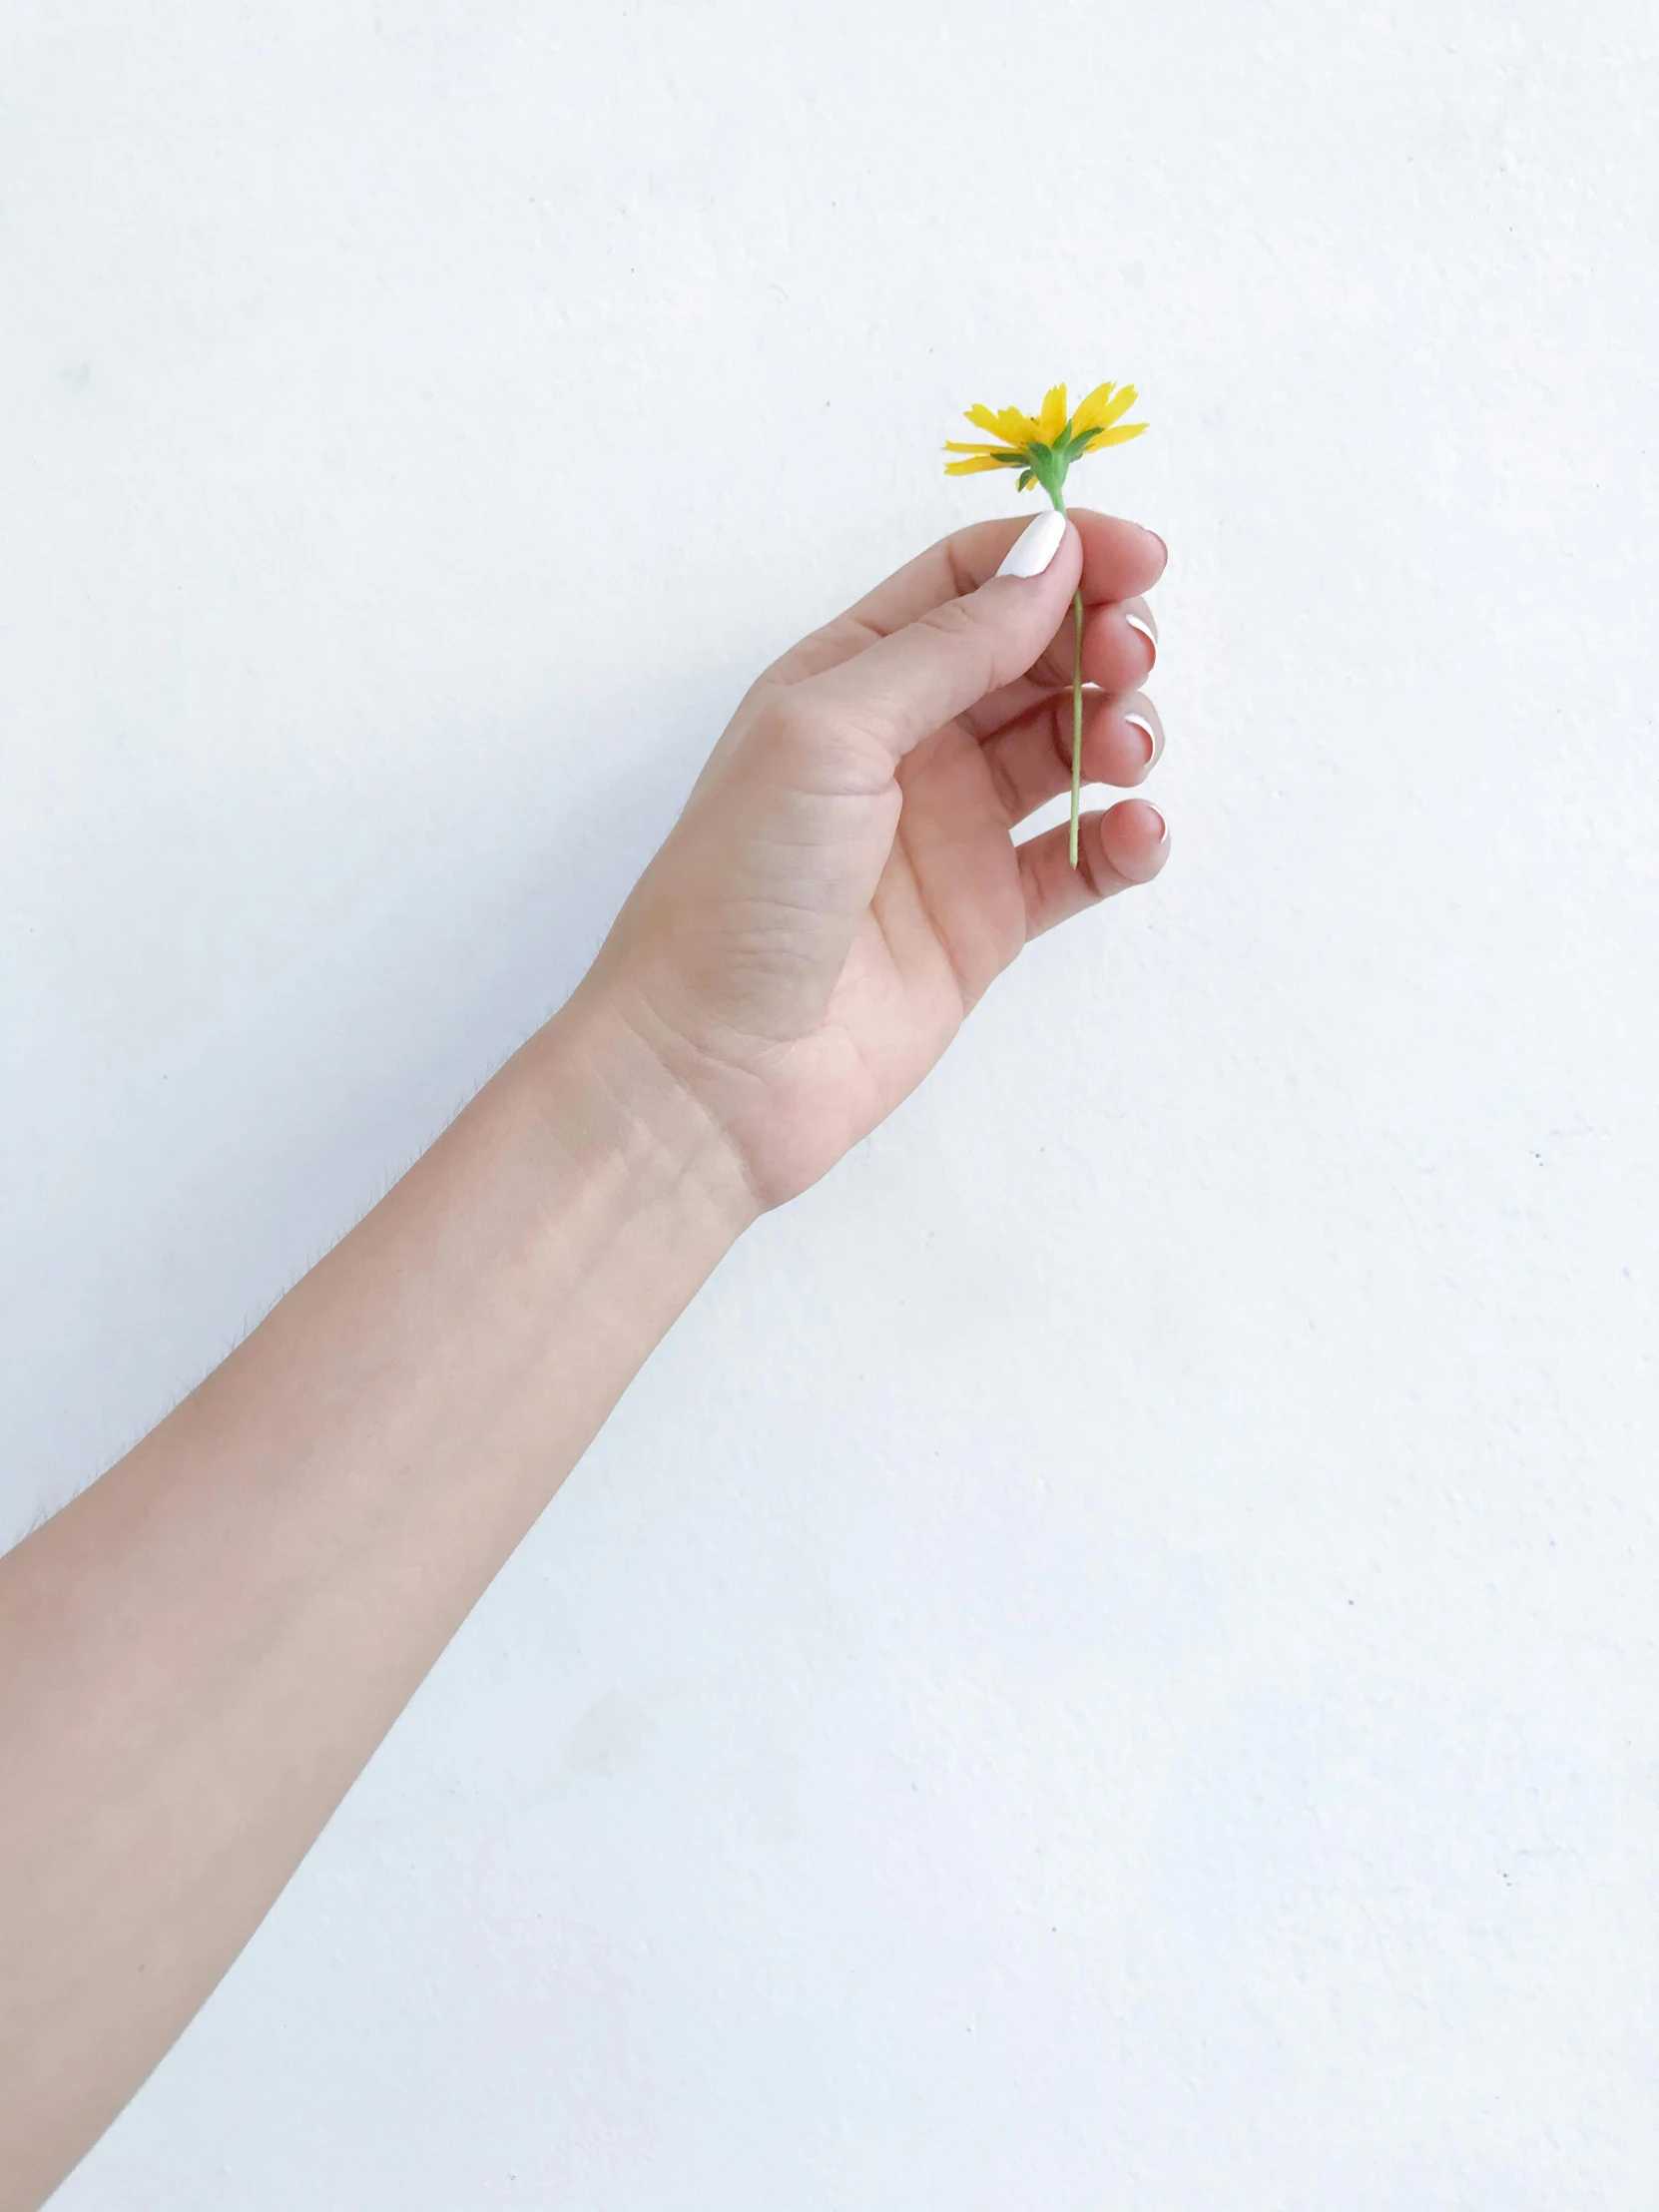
[(842, 885)]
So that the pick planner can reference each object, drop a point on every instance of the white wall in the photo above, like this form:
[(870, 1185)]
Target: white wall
[(1111, 1659)]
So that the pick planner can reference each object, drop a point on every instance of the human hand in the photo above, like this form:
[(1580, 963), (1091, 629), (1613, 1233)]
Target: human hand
[(843, 885)]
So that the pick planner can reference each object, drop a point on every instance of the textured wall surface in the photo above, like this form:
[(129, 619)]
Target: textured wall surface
[(1110, 1660)]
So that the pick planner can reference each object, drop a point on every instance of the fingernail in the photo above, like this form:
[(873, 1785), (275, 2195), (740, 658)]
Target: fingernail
[(1035, 546), (1163, 826), (1144, 623), (1153, 736)]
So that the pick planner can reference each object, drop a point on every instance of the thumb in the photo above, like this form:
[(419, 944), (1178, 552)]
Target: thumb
[(909, 684)]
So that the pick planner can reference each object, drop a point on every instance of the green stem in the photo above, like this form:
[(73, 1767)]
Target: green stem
[(1076, 719), (1051, 483), (1076, 697)]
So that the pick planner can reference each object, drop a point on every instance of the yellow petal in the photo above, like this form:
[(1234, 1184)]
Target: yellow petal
[(1100, 410), (952, 446), (970, 468), (1118, 408), (1083, 415), (1117, 436), (1052, 420), (1010, 425)]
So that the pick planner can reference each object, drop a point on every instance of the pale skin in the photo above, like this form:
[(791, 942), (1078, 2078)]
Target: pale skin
[(200, 1653)]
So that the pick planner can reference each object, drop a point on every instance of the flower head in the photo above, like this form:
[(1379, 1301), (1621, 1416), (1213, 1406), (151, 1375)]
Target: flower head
[(1043, 447)]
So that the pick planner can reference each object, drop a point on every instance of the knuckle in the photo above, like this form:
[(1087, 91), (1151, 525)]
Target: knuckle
[(973, 638), (792, 724), (814, 746), (955, 618)]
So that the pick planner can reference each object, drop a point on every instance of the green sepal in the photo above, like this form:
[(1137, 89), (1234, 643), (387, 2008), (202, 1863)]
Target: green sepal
[(1028, 478), (1047, 464)]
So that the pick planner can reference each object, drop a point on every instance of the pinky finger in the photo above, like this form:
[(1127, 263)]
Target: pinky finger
[(1125, 845)]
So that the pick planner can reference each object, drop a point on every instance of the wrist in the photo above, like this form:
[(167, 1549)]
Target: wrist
[(617, 1115)]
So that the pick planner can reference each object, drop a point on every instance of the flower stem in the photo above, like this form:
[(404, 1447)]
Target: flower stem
[(1053, 490), (1077, 717)]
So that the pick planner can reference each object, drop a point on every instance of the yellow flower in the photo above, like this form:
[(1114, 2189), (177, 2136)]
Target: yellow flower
[(1043, 447)]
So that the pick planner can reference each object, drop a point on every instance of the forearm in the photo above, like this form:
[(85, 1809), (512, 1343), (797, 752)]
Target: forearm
[(197, 1655)]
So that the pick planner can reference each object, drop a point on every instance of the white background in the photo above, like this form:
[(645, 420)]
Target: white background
[(1110, 1660)]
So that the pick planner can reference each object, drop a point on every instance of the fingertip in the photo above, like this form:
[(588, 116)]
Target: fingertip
[(1038, 546), (1142, 716), (1119, 645), (1121, 557), (1134, 838), (1139, 620)]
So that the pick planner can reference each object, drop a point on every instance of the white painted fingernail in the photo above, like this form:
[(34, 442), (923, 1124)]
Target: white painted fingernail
[(1154, 736), (1143, 623), (1035, 546)]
